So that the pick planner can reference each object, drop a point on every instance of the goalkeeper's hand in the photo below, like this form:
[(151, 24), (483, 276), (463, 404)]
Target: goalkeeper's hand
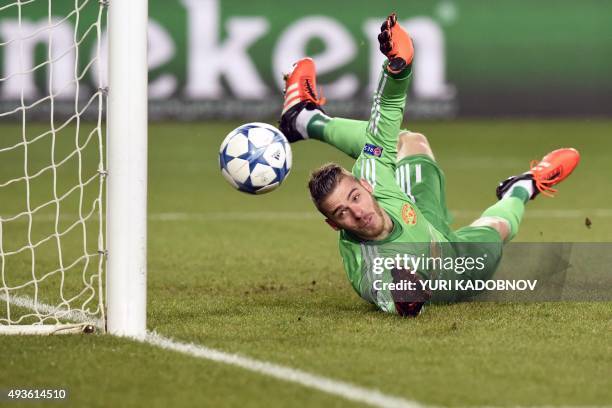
[(409, 303), (396, 44)]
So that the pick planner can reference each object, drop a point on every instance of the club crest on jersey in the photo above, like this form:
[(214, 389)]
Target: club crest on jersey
[(372, 150), (409, 214)]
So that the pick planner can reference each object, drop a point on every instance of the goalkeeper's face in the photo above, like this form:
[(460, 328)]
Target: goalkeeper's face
[(351, 207)]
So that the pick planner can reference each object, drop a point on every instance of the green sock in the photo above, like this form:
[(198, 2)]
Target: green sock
[(510, 209), (346, 135), (521, 193), (316, 125)]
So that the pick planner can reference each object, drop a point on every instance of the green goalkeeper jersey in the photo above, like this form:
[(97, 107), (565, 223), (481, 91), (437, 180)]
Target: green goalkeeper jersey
[(420, 229)]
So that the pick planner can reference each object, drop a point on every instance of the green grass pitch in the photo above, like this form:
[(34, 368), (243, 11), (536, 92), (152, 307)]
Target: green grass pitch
[(261, 276)]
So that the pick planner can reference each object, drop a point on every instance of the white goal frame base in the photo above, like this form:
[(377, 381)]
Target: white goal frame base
[(46, 329)]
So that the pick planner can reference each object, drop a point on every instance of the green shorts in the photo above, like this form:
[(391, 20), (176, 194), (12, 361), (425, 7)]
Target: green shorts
[(421, 178), (423, 181)]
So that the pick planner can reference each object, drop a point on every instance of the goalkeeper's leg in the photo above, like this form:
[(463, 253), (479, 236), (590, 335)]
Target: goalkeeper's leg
[(303, 116), (514, 192), (347, 135)]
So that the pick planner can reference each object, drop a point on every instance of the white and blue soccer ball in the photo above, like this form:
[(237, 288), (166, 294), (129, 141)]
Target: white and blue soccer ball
[(255, 158)]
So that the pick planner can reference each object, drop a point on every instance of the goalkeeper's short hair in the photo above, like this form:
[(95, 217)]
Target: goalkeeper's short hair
[(324, 180)]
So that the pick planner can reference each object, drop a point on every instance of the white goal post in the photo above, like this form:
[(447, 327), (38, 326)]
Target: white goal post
[(64, 266), (127, 167)]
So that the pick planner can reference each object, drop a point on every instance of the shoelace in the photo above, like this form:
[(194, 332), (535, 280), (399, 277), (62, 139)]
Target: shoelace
[(313, 94), (319, 101), (544, 185)]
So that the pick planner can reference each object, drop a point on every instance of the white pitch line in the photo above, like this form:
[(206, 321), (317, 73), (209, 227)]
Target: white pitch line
[(305, 215), (236, 215), (74, 315), (338, 388), (567, 213), (311, 215)]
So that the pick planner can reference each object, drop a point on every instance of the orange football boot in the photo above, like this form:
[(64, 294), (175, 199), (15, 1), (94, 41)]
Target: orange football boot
[(555, 167), (300, 93), (396, 44)]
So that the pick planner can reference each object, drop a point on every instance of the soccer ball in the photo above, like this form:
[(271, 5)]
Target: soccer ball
[(255, 158)]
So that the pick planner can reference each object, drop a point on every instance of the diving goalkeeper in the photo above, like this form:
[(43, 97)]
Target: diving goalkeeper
[(391, 207)]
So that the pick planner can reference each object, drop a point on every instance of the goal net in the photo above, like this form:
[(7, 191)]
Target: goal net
[(52, 165), (72, 194)]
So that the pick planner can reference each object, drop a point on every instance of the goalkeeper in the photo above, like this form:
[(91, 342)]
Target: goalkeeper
[(392, 206)]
